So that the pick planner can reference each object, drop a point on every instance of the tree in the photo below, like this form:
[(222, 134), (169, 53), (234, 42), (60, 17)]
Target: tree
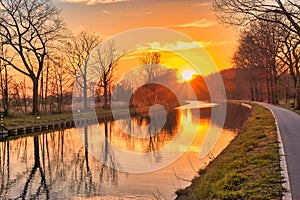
[(4, 79), (151, 66), (151, 71), (24, 94), (241, 12), (78, 51), (257, 52), (246, 57), (29, 29), (285, 13), (60, 78), (106, 60), (289, 55)]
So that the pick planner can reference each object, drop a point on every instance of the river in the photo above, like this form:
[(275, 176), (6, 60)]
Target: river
[(56, 165)]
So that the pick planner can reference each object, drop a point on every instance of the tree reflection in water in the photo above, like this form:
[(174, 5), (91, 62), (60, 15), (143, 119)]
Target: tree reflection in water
[(109, 164), (37, 170), (146, 137), (53, 165), (58, 164)]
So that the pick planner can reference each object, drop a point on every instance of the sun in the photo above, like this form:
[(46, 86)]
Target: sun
[(187, 75)]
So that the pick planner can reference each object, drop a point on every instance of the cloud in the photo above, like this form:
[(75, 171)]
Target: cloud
[(203, 4), (212, 44), (106, 12), (202, 23), (92, 2), (183, 46), (175, 46), (149, 13)]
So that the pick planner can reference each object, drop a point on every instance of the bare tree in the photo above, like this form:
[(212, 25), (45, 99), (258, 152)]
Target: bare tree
[(4, 79), (78, 54), (247, 58), (283, 12), (258, 50), (269, 37), (29, 28), (289, 55), (151, 65), (151, 71), (106, 61), (241, 12), (23, 94), (60, 78)]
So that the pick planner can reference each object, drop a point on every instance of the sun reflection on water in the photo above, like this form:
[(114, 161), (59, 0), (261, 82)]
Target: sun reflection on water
[(61, 167)]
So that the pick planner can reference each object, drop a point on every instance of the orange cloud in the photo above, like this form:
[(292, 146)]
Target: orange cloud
[(202, 23), (106, 12), (92, 2), (181, 45)]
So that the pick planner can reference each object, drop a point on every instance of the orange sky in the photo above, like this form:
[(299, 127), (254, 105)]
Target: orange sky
[(191, 17)]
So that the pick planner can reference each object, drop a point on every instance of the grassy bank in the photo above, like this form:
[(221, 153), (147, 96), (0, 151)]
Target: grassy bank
[(288, 106), (16, 121), (249, 168), (13, 121)]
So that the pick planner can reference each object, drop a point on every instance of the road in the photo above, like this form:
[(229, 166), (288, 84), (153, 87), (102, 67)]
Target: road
[(289, 127)]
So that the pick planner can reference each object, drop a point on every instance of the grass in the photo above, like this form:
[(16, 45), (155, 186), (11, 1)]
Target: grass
[(17, 121), (249, 168), (22, 120), (14, 121), (289, 107)]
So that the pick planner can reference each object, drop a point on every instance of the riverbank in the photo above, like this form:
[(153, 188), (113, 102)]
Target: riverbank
[(16, 126), (18, 121), (19, 125), (249, 168)]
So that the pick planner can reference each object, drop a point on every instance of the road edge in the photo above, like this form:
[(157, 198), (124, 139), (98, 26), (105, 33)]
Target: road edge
[(283, 164)]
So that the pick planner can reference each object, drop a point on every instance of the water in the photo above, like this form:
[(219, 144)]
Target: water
[(57, 165)]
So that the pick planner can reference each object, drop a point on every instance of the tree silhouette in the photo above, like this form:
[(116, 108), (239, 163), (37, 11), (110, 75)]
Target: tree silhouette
[(29, 29), (79, 51)]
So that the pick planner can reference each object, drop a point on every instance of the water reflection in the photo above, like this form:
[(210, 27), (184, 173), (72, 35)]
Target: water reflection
[(57, 165), (144, 139)]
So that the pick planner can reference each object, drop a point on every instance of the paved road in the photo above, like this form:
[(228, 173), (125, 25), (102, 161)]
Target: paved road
[(289, 127)]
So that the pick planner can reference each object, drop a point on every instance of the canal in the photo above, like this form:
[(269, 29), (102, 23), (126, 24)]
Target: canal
[(83, 163)]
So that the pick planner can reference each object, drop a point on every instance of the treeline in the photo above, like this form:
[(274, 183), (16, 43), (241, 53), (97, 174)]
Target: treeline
[(45, 68), (268, 55), (239, 86), (41, 60)]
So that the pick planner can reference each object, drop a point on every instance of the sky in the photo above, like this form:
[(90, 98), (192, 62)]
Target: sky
[(193, 18)]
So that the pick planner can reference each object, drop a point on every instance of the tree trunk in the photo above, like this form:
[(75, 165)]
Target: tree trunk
[(297, 106), (252, 93), (5, 93), (25, 96), (41, 103), (268, 91), (105, 95), (276, 92), (57, 93), (46, 89), (85, 94), (256, 93), (60, 97), (272, 90), (35, 96)]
